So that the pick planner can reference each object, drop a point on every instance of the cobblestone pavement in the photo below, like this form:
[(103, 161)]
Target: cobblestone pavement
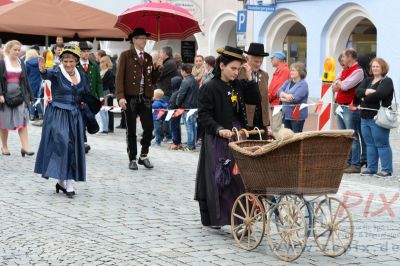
[(149, 217)]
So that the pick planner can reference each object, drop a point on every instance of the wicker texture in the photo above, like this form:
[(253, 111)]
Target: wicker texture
[(309, 163)]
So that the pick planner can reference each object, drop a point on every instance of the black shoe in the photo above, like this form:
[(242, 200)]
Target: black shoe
[(215, 227), (59, 187), (87, 148), (120, 127), (133, 165), (24, 152), (5, 153), (70, 194), (146, 163)]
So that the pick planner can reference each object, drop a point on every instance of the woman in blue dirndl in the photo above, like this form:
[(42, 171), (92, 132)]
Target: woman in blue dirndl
[(61, 153)]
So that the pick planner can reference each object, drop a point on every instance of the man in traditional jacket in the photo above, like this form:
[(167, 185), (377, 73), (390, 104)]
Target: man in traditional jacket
[(92, 70), (134, 90), (257, 115)]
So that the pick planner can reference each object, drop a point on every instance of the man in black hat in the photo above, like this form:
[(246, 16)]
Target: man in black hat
[(258, 115), (92, 70), (134, 90)]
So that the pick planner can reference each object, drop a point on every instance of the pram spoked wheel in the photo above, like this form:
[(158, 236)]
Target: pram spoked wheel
[(286, 230), (304, 206), (333, 227), (248, 221)]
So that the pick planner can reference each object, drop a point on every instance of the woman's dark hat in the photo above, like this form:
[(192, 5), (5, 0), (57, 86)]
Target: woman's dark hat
[(138, 32), (232, 52), (256, 49)]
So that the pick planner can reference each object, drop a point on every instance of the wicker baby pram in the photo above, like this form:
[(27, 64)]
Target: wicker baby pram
[(306, 163), (277, 175)]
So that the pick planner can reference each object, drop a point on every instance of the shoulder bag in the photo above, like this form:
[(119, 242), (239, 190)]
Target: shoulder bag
[(14, 100), (386, 116)]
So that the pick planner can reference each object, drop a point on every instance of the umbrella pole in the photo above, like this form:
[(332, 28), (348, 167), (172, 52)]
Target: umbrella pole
[(46, 40), (158, 27)]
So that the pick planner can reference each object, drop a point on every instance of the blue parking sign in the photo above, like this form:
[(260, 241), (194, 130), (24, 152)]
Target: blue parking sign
[(241, 23)]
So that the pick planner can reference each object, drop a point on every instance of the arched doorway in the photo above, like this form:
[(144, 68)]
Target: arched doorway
[(363, 38), (295, 44), (225, 35), (349, 26), (284, 31), (222, 31)]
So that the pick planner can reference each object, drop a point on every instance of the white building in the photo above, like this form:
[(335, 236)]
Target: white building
[(310, 30), (217, 19)]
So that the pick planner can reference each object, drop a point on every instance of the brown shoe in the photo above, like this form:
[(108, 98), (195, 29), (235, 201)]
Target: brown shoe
[(352, 170), (176, 147)]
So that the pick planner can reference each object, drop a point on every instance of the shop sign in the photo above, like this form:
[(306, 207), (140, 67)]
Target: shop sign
[(241, 39), (188, 51), (190, 6), (261, 5)]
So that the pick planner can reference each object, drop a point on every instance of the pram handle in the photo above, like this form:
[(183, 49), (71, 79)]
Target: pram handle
[(247, 133)]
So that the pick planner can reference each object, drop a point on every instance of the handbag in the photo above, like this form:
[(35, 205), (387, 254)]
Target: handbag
[(222, 172), (386, 117), (14, 101), (225, 165)]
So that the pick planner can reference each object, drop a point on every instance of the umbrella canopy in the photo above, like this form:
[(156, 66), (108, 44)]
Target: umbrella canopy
[(57, 18), (163, 21), (5, 2)]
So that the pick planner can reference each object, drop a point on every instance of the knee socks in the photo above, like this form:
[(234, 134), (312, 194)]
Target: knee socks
[(69, 185)]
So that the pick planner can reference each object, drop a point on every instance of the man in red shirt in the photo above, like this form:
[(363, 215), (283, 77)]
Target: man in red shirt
[(281, 74), (345, 86)]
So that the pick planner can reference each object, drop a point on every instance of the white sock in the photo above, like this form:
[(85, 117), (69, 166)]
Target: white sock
[(69, 185)]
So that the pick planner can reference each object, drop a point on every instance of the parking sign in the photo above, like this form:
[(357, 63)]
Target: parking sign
[(241, 23)]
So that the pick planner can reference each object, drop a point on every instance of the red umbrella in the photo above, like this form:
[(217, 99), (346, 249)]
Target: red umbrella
[(5, 2), (163, 20)]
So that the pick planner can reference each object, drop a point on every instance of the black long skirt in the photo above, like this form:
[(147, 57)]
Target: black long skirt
[(215, 201)]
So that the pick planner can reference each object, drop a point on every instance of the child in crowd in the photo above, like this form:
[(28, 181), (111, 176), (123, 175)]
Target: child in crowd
[(175, 122), (158, 104)]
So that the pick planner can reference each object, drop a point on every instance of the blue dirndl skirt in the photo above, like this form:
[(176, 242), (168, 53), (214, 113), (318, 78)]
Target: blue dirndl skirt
[(61, 153)]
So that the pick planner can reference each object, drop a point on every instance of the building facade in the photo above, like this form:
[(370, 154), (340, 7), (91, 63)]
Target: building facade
[(310, 30), (217, 20)]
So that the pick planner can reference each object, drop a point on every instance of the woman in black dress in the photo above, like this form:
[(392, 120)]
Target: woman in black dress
[(222, 107)]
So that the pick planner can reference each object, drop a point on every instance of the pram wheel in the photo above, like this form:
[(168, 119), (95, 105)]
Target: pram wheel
[(304, 206), (248, 221), (286, 230), (333, 227)]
